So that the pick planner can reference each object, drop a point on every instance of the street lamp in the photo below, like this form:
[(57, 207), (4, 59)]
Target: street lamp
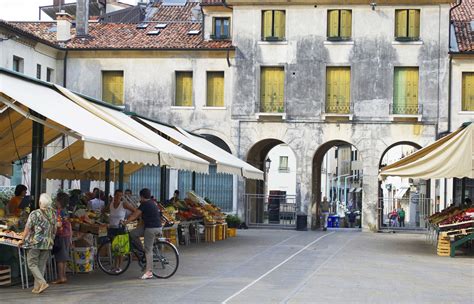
[(268, 162)]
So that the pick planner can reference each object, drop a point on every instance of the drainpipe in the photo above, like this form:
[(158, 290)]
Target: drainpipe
[(450, 64), (65, 69)]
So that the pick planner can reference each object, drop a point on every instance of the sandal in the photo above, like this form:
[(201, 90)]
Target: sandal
[(146, 276)]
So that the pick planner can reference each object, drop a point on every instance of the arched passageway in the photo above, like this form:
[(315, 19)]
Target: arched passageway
[(337, 175)]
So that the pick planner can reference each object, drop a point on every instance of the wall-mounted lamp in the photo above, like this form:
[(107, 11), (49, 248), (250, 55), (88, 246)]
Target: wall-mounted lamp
[(373, 5), (268, 162)]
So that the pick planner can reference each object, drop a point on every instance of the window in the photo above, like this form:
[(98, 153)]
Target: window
[(221, 28), (184, 89), (339, 24), (112, 87), (49, 75), (468, 91), (38, 71), (407, 25), (272, 89), (215, 89), (283, 164), (338, 90), (18, 64), (273, 25), (405, 91)]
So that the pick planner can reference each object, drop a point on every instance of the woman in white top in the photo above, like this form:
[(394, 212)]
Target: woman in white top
[(117, 213)]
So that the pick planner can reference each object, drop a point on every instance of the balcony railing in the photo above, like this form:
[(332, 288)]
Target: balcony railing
[(406, 109), (338, 108), (272, 107)]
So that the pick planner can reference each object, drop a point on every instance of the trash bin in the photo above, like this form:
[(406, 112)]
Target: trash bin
[(301, 222)]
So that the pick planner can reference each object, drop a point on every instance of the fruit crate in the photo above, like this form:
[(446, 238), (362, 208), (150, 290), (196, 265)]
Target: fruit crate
[(444, 246), (231, 232), (5, 275)]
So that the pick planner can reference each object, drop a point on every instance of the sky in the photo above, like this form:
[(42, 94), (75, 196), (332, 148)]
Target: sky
[(27, 10)]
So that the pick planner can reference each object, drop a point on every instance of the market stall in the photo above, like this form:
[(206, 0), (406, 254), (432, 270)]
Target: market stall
[(449, 157)]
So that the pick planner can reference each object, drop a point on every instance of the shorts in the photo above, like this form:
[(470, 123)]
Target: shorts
[(112, 232)]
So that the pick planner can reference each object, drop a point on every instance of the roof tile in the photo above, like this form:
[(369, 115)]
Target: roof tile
[(463, 17)]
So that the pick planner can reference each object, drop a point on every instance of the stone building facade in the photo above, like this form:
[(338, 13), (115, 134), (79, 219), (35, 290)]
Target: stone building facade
[(290, 59)]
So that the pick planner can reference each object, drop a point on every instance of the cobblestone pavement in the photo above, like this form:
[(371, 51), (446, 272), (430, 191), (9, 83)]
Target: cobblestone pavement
[(273, 266)]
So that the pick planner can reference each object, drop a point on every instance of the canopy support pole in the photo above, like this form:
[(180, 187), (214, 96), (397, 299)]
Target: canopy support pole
[(36, 160), (193, 181), (107, 181), (163, 184), (121, 169)]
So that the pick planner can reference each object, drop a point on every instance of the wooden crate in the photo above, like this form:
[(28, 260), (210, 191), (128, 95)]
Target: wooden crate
[(444, 246), (210, 233), (221, 230), (5, 275)]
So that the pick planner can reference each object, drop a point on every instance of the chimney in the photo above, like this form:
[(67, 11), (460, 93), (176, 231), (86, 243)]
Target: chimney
[(82, 18), (63, 26)]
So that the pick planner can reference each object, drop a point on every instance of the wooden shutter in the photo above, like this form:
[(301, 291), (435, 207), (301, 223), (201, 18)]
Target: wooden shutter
[(468, 91), (399, 91), (272, 89), (112, 87), (184, 89), (215, 89), (338, 90), (414, 24), (267, 21), (346, 23), (401, 23), (279, 24), (333, 23), (412, 90)]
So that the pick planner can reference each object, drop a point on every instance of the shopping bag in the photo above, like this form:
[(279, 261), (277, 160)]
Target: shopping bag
[(121, 245)]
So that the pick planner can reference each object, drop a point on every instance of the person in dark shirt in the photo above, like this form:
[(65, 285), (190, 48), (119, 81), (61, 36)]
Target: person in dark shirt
[(150, 214)]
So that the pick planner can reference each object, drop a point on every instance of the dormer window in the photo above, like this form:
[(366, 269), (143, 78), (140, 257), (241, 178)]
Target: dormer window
[(221, 28)]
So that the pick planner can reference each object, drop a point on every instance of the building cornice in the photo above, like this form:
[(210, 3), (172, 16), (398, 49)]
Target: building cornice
[(338, 2)]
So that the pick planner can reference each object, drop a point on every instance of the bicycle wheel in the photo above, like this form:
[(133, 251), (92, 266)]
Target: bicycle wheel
[(110, 263), (165, 259)]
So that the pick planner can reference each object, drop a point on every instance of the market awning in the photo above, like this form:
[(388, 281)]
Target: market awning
[(169, 154), (248, 171), (224, 161), (21, 96), (448, 157)]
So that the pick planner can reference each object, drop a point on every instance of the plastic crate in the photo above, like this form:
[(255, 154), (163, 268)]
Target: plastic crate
[(5, 275)]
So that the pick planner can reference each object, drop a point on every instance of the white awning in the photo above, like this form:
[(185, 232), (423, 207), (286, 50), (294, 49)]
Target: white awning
[(448, 157), (224, 161), (100, 140), (170, 154), (222, 156)]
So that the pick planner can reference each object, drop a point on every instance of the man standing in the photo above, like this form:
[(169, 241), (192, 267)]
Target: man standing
[(150, 214), (401, 217), (324, 209)]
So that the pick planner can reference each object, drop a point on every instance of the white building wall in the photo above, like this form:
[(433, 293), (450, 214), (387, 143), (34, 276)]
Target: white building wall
[(278, 179)]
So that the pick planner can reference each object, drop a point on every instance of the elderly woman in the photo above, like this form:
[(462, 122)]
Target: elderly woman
[(63, 239), (38, 237)]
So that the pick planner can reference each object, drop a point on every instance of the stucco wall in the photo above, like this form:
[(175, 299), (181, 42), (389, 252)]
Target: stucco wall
[(459, 65)]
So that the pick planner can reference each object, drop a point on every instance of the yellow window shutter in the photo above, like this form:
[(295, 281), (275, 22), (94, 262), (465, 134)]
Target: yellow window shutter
[(329, 89), (399, 90), (267, 24), (112, 87), (346, 88), (412, 89), (279, 24), (346, 23), (414, 24), (184, 89), (215, 89), (468, 91), (280, 89), (333, 23), (263, 89), (401, 23)]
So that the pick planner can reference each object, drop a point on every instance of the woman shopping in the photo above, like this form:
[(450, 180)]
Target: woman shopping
[(38, 237), (63, 239)]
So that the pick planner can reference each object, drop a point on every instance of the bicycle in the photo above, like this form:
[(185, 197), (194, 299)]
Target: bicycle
[(165, 258)]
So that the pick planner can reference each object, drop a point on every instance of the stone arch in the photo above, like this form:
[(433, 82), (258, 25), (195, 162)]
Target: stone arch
[(217, 137), (316, 175)]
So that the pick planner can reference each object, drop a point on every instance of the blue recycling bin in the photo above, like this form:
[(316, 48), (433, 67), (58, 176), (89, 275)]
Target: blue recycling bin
[(333, 221)]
